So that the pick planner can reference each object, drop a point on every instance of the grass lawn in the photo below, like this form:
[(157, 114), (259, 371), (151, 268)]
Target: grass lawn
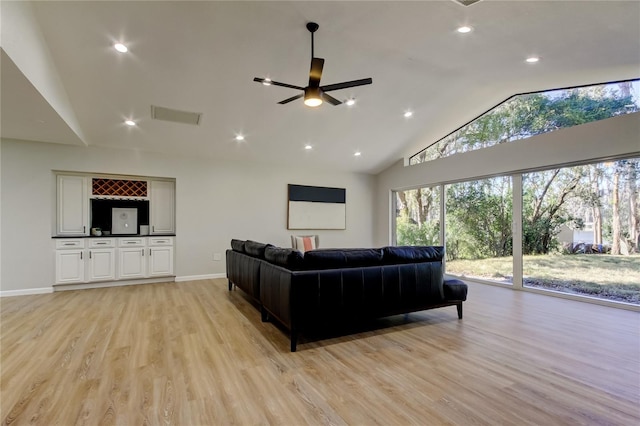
[(598, 275)]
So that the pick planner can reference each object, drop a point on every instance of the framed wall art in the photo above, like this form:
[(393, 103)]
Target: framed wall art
[(316, 207)]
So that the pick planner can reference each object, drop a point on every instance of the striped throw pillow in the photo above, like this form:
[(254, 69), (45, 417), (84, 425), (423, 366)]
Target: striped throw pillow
[(305, 243)]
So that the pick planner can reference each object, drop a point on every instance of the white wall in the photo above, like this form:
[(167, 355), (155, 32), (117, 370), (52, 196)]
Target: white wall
[(26, 46), (215, 202), (611, 138)]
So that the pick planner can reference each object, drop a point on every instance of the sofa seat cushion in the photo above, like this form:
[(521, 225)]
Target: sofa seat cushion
[(255, 249), (237, 245), (287, 258), (412, 254), (342, 258)]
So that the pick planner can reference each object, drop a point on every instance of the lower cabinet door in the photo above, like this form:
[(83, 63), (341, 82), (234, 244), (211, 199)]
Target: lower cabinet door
[(132, 263), (69, 266), (160, 261), (102, 265)]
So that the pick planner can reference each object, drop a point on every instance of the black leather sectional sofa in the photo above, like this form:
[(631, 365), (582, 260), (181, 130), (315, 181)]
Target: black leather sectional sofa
[(332, 286)]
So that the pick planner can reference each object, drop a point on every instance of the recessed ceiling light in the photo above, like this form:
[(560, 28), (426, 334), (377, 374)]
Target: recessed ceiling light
[(408, 114), (350, 102), (239, 138), (465, 29), (120, 47), (130, 122), (532, 59), (357, 153), (267, 82), (308, 147)]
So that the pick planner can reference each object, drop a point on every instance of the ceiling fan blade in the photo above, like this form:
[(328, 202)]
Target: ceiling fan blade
[(316, 72), (293, 98), (330, 99), (346, 84), (276, 83)]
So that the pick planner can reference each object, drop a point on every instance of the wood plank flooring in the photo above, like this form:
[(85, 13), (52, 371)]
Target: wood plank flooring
[(195, 354)]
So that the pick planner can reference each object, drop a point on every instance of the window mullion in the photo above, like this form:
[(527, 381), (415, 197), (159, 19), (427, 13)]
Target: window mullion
[(516, 226)]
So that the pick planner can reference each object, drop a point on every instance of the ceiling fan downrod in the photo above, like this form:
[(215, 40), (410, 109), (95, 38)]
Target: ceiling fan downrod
[(312, 27)]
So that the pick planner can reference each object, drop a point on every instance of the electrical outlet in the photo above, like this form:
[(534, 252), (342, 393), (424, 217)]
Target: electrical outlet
[(217, 256)]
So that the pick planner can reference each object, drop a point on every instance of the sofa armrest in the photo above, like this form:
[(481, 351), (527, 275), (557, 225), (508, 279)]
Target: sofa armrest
[(455, 290)]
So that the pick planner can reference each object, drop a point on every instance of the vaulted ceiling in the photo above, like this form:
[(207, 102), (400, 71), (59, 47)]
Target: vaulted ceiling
[(63, 82)]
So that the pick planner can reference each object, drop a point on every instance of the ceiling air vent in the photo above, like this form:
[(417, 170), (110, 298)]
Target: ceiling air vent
[(466, 2), (174, 115)]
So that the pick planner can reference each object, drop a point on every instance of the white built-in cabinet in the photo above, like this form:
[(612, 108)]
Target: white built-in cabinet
[(162, 217), (160, 256), (103, 259), (72, 205), (70, 265), (87, 260), (132, 262)]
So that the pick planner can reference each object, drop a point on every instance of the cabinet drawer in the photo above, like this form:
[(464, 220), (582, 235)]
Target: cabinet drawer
[(102, 243), (131, 242), (160, 241), (70, 243)]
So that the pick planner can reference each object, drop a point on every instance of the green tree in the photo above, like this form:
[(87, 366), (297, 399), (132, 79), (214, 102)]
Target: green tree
[(479, 218)]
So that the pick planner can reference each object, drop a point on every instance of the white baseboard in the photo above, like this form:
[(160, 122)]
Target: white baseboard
[(45, 290), (200, 277), (26, 292), (104, 284)]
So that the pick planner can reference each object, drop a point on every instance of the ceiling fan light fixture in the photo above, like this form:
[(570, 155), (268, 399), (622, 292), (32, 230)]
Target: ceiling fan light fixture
[(312, 97), (267, 81)]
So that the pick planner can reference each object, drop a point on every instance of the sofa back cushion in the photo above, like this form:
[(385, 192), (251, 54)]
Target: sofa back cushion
[(412, 254), (255, 249), (285, 257), (342, 258), (237, 245)]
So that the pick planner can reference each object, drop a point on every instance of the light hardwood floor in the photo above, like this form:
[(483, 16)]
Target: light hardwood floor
[(195, 354)]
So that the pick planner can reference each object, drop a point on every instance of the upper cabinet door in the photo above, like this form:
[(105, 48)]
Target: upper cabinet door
[(162, 207), (73, 205)]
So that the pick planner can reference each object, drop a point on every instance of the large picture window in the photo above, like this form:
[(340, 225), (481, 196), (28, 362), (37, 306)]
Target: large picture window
[(418, 217), (581, 230), (525, 115), (479, 242)]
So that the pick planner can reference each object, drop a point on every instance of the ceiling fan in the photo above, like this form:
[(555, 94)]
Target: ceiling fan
[(314, 94)]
